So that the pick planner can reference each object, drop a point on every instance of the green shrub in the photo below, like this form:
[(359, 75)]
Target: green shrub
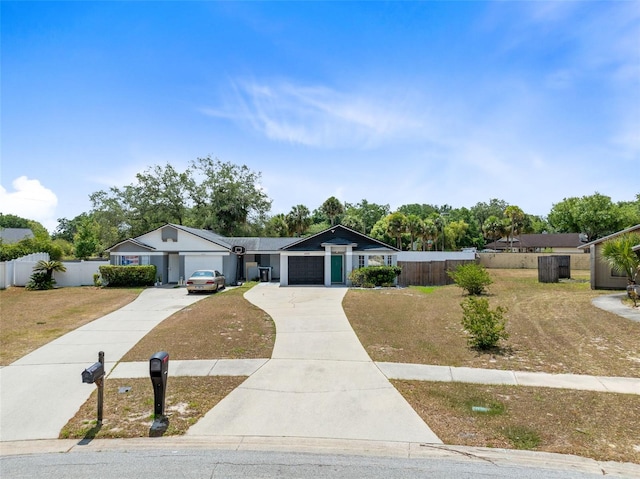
[(128, 275), (471, 277), (371, 276), (484, 326), (40, 280)]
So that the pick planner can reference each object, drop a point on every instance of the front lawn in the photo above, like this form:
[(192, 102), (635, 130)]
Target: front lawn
[(553, 327)]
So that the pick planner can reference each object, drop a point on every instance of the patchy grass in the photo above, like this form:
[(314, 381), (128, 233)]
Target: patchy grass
[(553, 327), (223, 325), (130, 414), (30, 319), (603, 426)]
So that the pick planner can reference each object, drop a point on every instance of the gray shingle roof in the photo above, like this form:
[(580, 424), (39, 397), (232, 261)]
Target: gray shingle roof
[(13, 235)]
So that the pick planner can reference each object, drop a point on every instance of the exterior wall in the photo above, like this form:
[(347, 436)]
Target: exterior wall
[(579, 261), (601, 277), (230, 268), (160, 263)]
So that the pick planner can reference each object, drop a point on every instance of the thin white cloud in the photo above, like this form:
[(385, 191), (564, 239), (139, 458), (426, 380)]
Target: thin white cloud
[(31, 200), (318, 116)]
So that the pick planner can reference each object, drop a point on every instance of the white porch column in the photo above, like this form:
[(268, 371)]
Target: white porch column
[(349, 266), (284, 270), (327, 265)]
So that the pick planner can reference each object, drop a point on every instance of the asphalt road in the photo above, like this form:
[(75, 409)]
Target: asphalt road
[(214, 464)]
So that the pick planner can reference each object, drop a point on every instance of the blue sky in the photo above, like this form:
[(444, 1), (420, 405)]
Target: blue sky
[(394, 102)]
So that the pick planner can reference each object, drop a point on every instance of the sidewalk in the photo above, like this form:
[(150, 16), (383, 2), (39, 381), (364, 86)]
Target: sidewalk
[(409, 372), (41, 391)]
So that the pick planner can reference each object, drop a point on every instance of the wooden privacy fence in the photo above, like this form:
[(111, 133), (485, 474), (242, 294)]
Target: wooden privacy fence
[(427, 273)]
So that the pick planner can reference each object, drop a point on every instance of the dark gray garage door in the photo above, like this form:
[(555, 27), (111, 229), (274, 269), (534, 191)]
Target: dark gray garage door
[(306, 269)]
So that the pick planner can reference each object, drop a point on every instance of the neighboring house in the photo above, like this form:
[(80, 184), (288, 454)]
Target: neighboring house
[(602, 276), (14, 235), (541, 242), (325, 258)]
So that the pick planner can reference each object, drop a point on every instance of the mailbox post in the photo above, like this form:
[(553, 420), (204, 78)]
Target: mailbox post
[(159, 372), (95, 374)]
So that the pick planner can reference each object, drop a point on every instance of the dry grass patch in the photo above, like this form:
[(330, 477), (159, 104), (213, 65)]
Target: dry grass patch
[(553, 327), (30, 319), (223, 325), (603, 426), (130, 414)]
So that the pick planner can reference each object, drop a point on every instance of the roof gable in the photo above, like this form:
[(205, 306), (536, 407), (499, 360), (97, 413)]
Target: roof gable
[(338, 235), (125, 245)]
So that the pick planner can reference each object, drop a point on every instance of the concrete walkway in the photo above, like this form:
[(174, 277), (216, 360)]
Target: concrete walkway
[(410, 372), (613, 304), (319, 383), (41, 391)]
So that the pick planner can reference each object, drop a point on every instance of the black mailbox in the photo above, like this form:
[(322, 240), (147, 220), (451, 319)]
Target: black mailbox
[(159, 372), (93, 373)]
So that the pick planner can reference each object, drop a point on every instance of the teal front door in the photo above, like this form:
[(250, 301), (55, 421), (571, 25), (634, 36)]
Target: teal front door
[(336, 269)]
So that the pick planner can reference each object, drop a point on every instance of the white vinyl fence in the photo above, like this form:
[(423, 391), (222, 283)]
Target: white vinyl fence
[(18, 271)]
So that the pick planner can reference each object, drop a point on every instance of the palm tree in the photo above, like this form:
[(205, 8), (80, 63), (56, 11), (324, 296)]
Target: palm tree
[(48, 267), (516, 216), (332, 208), (298, 219), (493, 228), (619, 255), (414, 226), (428, 231), (397, 226)]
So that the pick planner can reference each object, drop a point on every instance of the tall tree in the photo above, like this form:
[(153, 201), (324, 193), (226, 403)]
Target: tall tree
[(332, 208), (482, 211), (493, 228), (516, 217), (427, 232), (277, 227), (414, 226), (595, 215), (227, 198), (397, 226), (86, 240), (298, 219), (370, 213), (353, 221)]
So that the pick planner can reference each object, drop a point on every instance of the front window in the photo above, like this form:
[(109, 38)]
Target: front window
[(389, 260), (376, 260), (132, 260), (361, 261)]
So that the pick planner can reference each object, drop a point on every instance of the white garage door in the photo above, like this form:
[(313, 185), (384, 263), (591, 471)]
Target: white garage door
[(195, 262)]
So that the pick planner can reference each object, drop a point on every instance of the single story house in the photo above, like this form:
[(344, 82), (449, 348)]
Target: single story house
[(602, 276), (325, 258), (541, 242)]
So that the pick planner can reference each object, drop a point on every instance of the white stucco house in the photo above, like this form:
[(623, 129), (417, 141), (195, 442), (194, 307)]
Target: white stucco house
[(325, 258)]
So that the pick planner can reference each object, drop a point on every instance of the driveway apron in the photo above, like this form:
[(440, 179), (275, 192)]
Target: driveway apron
[(320, 382), (41, 391)]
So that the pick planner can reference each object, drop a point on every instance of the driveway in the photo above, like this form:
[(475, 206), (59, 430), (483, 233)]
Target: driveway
[(320, 381)]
